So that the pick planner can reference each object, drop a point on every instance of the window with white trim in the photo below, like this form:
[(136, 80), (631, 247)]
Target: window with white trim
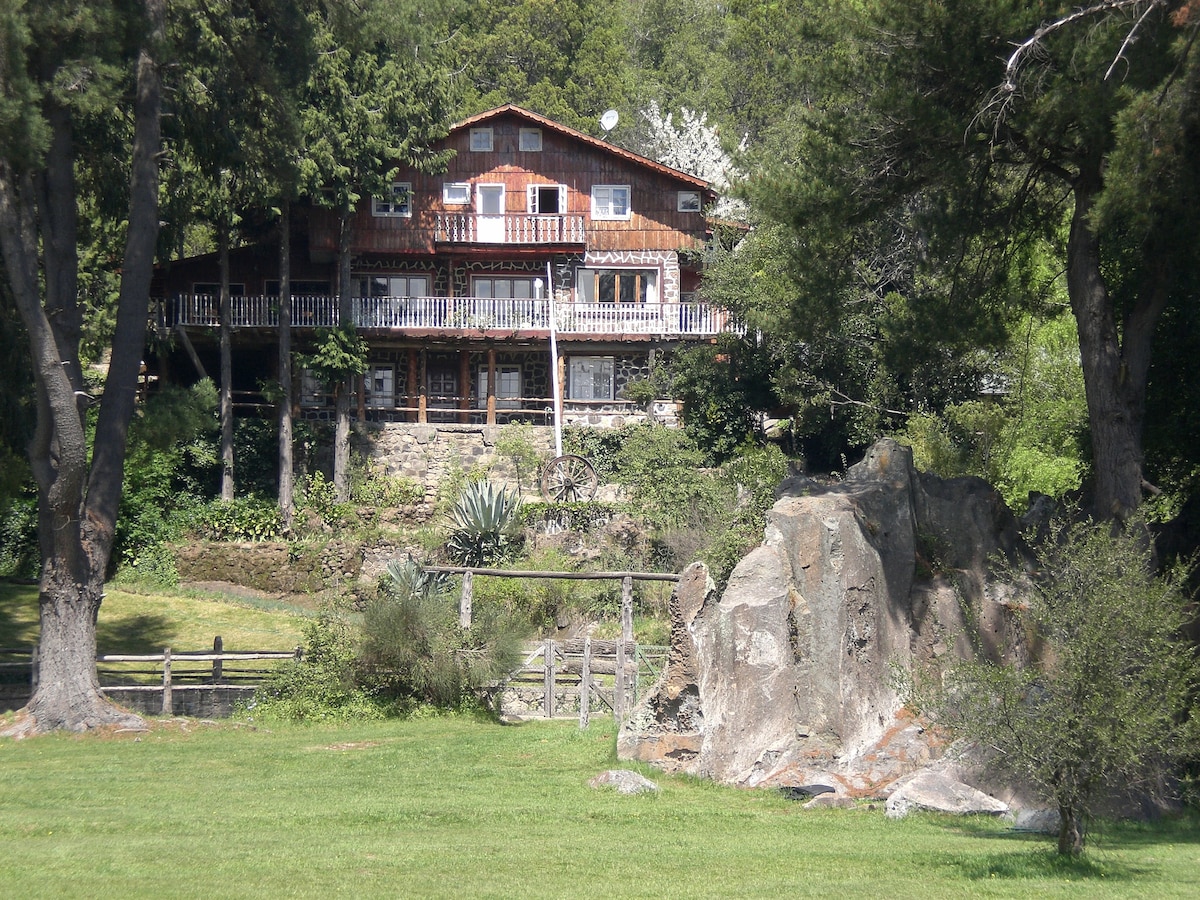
[(312, 390), (393, 286), (590, 378), (632, 286), (481, 140), (610, 201), (503, 287), (397, 203), (379, 383), (529, 140), (456, 193), (688, 201), (546, 199), (508, 387)]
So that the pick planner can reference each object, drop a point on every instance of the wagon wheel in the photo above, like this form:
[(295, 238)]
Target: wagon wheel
[(569, 478)]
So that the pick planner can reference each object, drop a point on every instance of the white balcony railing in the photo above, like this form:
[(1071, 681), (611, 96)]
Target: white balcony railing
[(457, 314), (473, 228)]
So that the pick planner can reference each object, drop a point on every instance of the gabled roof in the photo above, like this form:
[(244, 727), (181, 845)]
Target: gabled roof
[(604, 146)]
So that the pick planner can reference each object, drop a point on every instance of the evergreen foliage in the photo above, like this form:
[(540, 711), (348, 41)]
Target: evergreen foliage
[(1107, 704), (485, 525)]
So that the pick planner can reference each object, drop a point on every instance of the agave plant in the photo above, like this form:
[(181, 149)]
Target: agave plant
[(410, 580), (486, 525)]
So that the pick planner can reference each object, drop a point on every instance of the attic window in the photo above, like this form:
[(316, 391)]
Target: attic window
[(530, 140), (481, 140), (689, 201)]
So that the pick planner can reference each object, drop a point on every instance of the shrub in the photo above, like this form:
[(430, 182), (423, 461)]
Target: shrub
[(323, 686), (371, 486), (485, 525), (19, 553), (414, 649), (243, 519)]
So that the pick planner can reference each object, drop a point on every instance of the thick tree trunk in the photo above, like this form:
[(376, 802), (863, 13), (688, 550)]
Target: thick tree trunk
[(341, 433), (225, 402), (1115, 363), (1070, 831), (286, 463), (77, 508)]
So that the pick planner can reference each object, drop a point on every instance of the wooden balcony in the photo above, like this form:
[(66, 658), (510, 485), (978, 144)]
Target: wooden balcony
[(472, 228), (455, 315)]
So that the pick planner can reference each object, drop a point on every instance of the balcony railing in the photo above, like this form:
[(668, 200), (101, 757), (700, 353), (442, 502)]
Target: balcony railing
[(457, 314), (472, 228)]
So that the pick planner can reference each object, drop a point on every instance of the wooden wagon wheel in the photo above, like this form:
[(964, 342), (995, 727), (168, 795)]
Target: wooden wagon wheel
[(568, 479)]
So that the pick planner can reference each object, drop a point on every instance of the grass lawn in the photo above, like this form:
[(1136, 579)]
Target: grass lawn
[(456, 807), (136, 622)]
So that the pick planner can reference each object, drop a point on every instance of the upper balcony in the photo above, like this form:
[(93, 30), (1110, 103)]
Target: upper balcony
[(509, 228), (460, 315)]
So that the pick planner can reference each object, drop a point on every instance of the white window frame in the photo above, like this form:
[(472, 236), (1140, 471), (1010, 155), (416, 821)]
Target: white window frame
[(532, 194), (505, 399), (582, 371), (313, 392), (393, 207), (456, 193), (608, 200), (529, 140), (482, 140), (384, 375), (688, 201)]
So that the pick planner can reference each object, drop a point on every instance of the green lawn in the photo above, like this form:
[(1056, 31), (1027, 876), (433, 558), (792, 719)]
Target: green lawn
[(456, 807), (134, 622)]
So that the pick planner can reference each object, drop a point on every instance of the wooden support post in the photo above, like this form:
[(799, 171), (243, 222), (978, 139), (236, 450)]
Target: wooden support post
[(168, 708), (464, 387), (410, 385), (491, 386), (548, 679), (464, 602), (423, 391), (585, 683), (627, 609), (218, 665), (619, 685)]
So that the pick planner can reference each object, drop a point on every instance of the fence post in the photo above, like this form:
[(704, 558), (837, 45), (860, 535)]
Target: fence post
[(627, 609), (464, 603), (167, 706), (585, 683), (619, 684), (218, 665), (548, 679)]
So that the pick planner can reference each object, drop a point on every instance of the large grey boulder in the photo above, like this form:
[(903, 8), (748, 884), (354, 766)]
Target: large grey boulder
[(938, 793), (786, 678)]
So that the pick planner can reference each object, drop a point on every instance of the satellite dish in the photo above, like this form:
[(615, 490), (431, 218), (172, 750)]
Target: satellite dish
[(608, 121)]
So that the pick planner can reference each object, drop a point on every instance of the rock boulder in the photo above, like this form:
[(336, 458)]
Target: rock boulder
[(786, 678)]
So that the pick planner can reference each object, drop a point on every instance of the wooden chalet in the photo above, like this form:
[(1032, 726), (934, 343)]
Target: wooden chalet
[(459, 277)]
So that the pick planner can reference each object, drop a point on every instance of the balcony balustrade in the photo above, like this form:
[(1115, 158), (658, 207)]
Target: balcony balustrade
[(459, 314), (476, 228)]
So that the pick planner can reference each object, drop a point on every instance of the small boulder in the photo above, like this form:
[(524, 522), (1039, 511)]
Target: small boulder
[(931, 791), (831, 801), (624, 781), (1037, 821)]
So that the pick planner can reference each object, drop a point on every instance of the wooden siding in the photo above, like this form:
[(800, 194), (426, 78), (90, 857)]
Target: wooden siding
[(655, 222)]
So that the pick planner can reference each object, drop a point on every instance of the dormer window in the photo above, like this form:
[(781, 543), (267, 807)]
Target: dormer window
[(398, 203), (481, 140), (529, 140), (610, 201)]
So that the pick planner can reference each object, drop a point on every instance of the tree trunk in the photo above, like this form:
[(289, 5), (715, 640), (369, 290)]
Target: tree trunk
[(1070, 831), (1115, 364), (77, 509), (341, 433), (286, 464), (226, 345)]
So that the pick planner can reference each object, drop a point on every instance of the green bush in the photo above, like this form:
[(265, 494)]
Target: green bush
[(414, 649), (20, 556), (243, 519), (323, 686), (371, 486)]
